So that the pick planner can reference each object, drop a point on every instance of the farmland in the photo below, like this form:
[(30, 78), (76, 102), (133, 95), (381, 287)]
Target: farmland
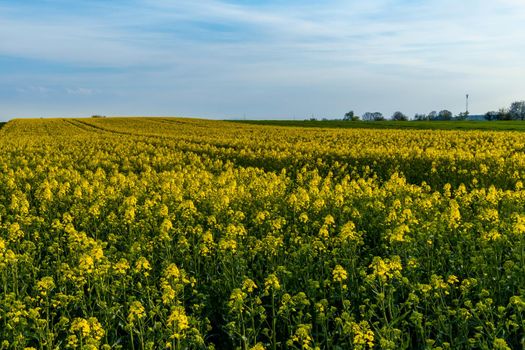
[(507, 125), (149, 233)]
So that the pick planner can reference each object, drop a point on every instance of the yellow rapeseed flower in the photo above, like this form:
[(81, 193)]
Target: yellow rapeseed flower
[(339, 274), (178, 323)]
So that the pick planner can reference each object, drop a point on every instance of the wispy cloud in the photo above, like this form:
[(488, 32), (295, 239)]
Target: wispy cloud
[(80, 91), (33, 90)]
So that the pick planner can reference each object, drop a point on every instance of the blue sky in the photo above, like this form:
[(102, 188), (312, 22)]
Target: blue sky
[(259, 59)]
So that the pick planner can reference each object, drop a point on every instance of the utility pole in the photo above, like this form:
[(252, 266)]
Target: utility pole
[(467, 105)]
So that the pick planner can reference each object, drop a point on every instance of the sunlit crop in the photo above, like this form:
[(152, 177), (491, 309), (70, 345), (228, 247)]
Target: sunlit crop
[(164, 233)]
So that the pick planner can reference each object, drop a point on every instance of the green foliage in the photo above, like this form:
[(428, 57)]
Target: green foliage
[(399, 116)]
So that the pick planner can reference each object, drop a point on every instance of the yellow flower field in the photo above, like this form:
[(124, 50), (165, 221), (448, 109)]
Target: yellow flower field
[(166, 233)]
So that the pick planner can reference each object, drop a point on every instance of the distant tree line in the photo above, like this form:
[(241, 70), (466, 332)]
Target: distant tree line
[(516, 111), (399, 116), (444, 114)]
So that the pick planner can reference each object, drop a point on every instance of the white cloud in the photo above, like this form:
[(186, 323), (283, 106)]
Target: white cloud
[(80, 91)]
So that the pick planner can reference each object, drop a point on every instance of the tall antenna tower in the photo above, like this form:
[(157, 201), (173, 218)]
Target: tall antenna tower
[(467, 105)]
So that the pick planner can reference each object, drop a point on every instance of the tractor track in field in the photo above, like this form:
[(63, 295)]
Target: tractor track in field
[(96, 128)]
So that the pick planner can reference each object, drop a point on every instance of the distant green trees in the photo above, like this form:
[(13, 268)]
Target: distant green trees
[(462, 116), (501, 114), (516, 111), (351, 116), (399, 116), (445, 115), (375, 116)]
